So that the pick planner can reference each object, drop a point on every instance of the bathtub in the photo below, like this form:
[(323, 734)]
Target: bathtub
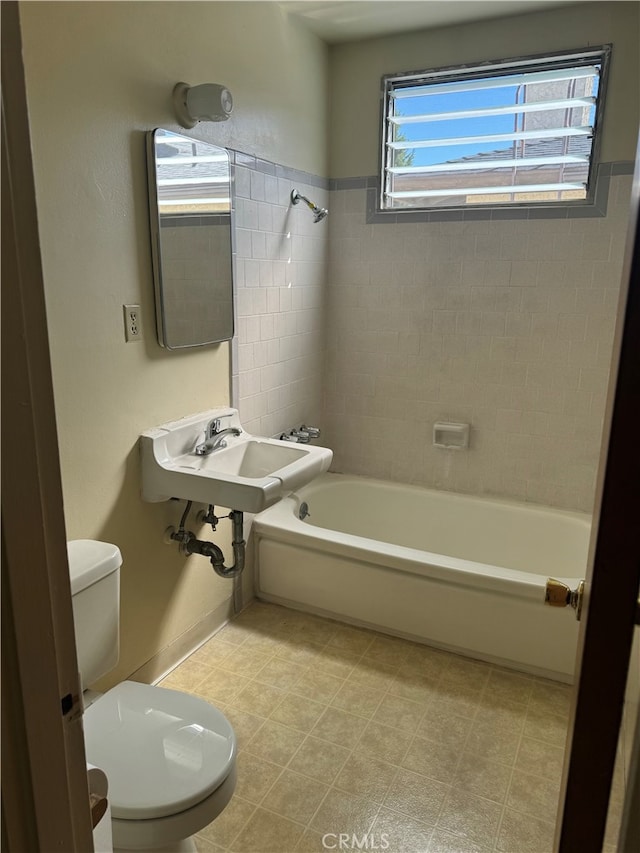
[(453, 571)]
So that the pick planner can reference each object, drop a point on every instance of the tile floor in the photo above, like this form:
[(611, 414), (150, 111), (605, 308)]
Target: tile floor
[(343, 730)]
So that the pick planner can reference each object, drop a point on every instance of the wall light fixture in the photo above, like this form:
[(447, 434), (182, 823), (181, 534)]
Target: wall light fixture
[(206, 102)]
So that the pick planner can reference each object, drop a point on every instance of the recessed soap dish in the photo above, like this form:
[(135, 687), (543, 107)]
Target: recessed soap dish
[(451, 436)]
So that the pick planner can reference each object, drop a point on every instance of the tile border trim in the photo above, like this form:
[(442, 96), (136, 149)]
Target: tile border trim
[(597, 209), (371, 184), (276, 170)]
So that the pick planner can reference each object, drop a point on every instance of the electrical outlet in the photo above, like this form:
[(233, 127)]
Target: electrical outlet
[(132, 327)]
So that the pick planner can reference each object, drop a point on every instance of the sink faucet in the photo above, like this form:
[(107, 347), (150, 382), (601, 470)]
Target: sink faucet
[(214, 437)]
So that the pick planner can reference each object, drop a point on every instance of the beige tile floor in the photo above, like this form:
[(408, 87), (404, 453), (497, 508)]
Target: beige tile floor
[(343, 730)]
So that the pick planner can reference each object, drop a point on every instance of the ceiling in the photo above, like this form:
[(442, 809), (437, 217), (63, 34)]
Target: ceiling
[(336, 21)]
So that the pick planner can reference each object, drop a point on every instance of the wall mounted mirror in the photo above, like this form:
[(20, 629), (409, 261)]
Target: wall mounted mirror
[(191, 238)]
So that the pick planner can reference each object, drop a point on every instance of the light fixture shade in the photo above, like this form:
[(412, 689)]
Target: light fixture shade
[(206, 102)]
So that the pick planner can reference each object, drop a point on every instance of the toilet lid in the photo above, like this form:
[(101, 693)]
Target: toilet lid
[(162, 751)]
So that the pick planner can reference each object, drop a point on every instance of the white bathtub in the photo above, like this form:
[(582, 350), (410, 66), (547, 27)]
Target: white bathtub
[(450, 570)]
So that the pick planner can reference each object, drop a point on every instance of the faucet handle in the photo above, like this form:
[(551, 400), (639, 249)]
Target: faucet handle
[(214, 426), (313, 432)]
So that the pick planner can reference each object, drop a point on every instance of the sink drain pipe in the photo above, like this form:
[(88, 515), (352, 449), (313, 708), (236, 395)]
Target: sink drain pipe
[(190, 544)]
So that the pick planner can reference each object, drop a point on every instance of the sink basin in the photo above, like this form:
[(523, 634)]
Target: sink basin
[(248, 474), (252, 458)]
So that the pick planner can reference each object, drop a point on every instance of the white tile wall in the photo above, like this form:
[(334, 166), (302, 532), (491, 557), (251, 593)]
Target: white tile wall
[(280, 276), (507, 325)]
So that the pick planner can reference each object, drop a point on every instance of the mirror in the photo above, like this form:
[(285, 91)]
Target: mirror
[(191, 238)]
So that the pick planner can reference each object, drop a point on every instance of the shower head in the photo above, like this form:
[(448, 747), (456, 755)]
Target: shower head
[(319, 213)]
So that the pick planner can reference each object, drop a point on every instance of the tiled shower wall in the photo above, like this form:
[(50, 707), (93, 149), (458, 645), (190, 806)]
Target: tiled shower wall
[(281, 260), (505, 324), (376, 331)]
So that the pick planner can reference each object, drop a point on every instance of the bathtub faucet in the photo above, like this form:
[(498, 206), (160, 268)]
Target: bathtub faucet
[(214, 437), (302, 435), (313, 432)]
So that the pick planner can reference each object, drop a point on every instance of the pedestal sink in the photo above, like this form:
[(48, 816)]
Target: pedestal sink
[(248, 474)]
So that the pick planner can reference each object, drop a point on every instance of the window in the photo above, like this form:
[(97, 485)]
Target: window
[(509, 133)]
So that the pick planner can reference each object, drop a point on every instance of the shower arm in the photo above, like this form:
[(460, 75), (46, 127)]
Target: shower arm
[(297, 196), (319, 212)]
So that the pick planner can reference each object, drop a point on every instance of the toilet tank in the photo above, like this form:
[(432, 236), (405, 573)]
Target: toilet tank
[(94, 568)]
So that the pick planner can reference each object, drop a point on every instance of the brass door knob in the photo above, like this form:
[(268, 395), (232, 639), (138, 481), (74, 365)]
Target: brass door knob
[(558, 594)]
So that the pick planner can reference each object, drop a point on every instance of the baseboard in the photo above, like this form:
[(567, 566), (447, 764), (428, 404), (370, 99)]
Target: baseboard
[(168, 658)]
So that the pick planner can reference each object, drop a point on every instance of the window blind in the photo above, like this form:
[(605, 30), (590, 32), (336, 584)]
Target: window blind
[(513, 132)]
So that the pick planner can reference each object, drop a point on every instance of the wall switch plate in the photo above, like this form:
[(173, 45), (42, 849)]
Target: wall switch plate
[(132, 328)]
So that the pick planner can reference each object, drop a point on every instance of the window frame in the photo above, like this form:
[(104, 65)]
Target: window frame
[(503, 67)]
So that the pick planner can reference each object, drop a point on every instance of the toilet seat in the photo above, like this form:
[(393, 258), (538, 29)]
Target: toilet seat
[(163, 751)]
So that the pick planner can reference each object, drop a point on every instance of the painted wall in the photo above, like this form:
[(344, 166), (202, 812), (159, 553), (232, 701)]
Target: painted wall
[(505, 324), (99, 75)]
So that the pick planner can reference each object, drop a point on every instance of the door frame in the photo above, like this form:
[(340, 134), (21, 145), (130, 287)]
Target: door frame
[(45, 803), (612, 582), (45, 797)]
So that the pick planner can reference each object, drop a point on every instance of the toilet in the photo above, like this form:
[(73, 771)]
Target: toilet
[(170, 758)]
